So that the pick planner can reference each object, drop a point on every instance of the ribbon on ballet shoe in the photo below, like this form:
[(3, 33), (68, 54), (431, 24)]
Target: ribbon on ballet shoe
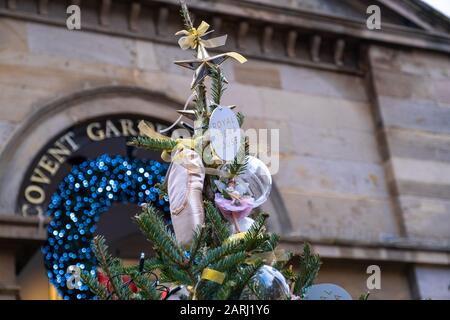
[(146, 130)]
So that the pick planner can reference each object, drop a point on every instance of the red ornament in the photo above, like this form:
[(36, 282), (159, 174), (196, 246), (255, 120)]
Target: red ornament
[(104, 281), (164, 294)]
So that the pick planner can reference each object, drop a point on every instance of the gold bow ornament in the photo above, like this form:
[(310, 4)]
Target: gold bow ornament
[(204, 65), (193, 38)]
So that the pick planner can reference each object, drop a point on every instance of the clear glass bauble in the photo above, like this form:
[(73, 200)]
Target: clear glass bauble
[(259, 180), (267, 284)]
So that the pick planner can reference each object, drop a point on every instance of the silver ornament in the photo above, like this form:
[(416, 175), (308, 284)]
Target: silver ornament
[(267, 284)]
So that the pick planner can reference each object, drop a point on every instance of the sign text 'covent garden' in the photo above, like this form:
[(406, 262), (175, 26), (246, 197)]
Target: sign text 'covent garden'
[(37, 183)]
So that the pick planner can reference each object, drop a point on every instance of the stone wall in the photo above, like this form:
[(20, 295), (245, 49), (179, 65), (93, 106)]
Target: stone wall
[(412, 100), (331, 177)]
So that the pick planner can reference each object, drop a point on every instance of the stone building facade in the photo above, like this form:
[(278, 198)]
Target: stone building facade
[(364, 119)]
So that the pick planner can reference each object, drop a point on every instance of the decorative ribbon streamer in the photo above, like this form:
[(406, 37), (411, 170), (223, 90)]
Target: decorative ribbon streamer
[(145, 129), (193, 38), (213, 275)]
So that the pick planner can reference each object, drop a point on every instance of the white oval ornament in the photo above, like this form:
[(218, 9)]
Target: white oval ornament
[(225, 133), (326, 291)]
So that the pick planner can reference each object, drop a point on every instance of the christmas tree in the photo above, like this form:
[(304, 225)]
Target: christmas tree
[(218, 246)]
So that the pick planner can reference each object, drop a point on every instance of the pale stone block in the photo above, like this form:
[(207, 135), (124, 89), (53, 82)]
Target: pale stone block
[(323, 83), (427, 172), (332, 177), (84, 46), (256, 74), (247, 99), (16, 102), (425, 217), (419, 145), (317, 111), (165, 55), (329, 218), (146, 56), (414, 114), (59, 71), (175, 86), (414, 62), (331, 143), (13, 36), (406, 86), (442, 91)]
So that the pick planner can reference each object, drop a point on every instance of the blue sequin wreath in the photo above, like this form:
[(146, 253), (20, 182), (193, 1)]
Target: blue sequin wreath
[(85, 193)]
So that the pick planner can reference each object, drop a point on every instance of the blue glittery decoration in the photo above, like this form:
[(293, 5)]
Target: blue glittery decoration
[(85, 193)]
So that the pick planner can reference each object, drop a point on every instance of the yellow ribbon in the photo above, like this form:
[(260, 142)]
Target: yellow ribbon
[(145, 129), (236, 56), (166, 155), (235, 237), (193, 38), (213, 275)]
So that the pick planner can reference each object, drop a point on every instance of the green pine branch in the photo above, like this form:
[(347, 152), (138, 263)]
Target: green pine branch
[(229, 262), (215, 255), (240, 162), (232, 289), (110, 266), (217, 84), (147, 290), (255, 236), (154, 228), (152, 144), (172, 274), (187, 21), (309, 266), (198, 239), (364, 296), (220, 227), (152, 264), (96, 288)]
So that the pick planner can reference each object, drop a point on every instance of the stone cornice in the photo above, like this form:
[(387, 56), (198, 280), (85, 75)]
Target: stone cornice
[(14, 227), (410, 244), (258, 31), (320, 22), (372, 253), (262, 32)]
